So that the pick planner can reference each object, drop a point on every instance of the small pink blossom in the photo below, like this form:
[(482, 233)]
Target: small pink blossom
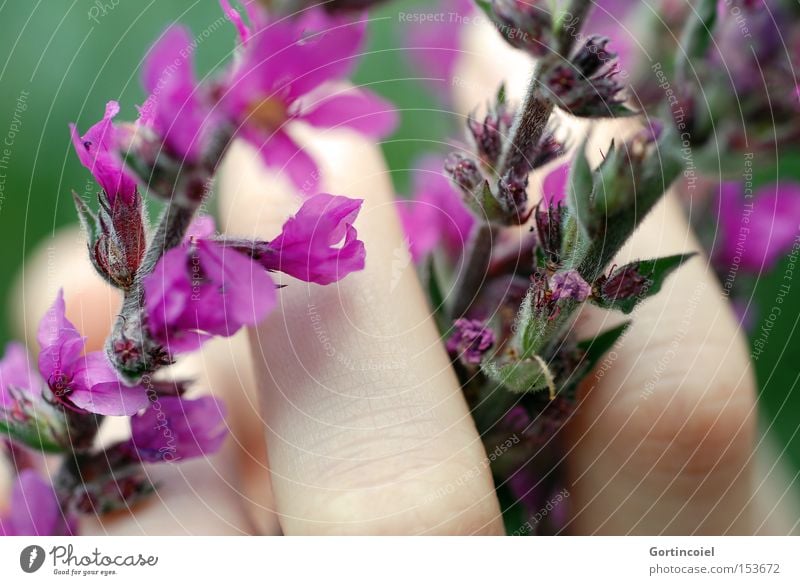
[(320, 243), (176, 428), (436, 213), (81, 382), (201, 289), (756, 233), (97, 151), (34, 509)]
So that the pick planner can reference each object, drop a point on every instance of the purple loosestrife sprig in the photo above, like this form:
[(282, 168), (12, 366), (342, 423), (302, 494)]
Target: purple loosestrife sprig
[(519, 340), (182, 283), (287, 72)]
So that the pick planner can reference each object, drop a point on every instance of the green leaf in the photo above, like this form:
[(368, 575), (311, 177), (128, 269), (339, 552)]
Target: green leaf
[(501, 94), (595, 348), (528, 325), (696, 38), (528, 375), (435, 295), (654, 271), (87, 218), (580, 190), (515, 519), (36, 434)]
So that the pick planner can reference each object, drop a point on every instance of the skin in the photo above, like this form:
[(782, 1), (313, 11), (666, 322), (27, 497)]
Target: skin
[(346, 417)]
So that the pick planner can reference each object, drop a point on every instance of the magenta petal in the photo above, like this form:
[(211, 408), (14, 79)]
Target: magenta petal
[(54, 323), (360, 110), (434, 47), (319, 244), (59, 359), (175, 428), (757, 238), (200, 290), (34, 509), (96, 388), (110, 399), (246, 291), (327, 48), (420, 222), (436, 214), (202, 227), (174, 104), (288, 58), (236, 19), (554, 188), (97, 151), (280, 152), (774, 224), (16, 372)]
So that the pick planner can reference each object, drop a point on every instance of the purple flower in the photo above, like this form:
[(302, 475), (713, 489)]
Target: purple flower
[(201, 289), (283, 76), (16, 374), (744, 57), (609, 20), (176, 108), (174, 428), (85, 383), (554, 187), (436, 214), (756, 233), (569, 285), (434, 46), (97, 152), (470, 341), (203, 227), (34, 510), (320, 243)]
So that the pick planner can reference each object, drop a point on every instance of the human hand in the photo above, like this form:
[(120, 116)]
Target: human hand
[(366, 429)]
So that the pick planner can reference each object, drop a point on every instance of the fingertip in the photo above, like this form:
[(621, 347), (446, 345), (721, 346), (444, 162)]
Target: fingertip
[(62, 261)]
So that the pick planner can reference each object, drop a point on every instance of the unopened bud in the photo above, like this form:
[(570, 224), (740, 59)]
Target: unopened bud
[(525, 24)]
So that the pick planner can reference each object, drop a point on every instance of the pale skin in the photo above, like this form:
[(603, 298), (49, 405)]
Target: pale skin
[(346, 417)]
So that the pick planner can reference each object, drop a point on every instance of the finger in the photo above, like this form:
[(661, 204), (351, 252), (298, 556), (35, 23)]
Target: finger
[(197, 497), (663, 440), (367, 429), (680, 460)]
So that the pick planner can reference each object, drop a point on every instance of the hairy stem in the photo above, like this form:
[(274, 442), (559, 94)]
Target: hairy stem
[(536, 108), (478, 255), (528, 128)]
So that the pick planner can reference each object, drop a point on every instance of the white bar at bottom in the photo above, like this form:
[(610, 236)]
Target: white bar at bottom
[(401, 560)]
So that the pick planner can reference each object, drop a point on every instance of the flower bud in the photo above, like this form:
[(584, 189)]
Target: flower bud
[(525, 24), (116, 237), (489, 136), (587, 85), (464, 172), (549, 221), (625, 283)]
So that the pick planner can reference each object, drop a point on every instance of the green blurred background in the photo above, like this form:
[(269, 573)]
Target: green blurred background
[(67, 64)]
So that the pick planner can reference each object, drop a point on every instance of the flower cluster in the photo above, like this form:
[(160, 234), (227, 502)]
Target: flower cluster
[(182, 283), (506, 297), (508, 267)]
